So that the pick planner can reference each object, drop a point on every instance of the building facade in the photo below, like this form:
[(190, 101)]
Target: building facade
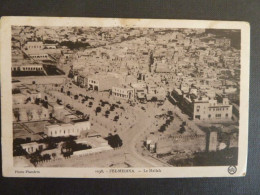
[(211, 109), (27, 67), (124, 93), (33, 147), (65, 130)]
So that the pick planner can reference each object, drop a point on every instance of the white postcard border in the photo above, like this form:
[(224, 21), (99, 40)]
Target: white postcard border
[(6, 101)]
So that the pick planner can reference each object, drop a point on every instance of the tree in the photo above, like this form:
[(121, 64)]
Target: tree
[(27, 100), (35, 158), (71, 45), (45, 104), (46, 157), (17, 114), (71, 75), (51, 144), (112, 108), (154, 99), (29, 114), (116, 118), (98, 109), (162, 128), (76, 97), (18, 150), (67, 148), (182, 130), (37, 101), (107, 113), (114, 141), (53, 155), (50, 41)]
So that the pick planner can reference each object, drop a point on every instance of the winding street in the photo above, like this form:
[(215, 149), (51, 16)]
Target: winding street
[(130, 139)]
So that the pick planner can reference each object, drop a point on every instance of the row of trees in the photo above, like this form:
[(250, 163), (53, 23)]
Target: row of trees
[(74, 45), (36, 157), (168, 121), (44, 102), (71, 45)]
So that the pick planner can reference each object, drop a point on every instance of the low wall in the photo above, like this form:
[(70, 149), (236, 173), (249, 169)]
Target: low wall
[(181, 143), (42, 79), (91, 151)]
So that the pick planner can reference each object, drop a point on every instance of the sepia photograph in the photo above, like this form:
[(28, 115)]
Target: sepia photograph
[(128, 97)]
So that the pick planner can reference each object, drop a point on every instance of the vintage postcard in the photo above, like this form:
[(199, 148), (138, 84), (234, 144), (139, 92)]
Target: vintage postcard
[(124, 98)]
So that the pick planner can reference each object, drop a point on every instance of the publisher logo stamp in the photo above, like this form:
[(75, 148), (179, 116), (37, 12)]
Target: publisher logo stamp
[(232, 170)]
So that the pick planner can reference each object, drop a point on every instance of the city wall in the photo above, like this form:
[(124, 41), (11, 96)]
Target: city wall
[(193, 143)]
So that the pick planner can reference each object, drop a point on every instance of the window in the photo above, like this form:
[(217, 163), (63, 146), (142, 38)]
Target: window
[(226, 115), (209, 115), (197, 116), (218, 115)]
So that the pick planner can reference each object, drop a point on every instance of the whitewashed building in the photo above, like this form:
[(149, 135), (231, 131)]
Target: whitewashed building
[(123, 92), (33, 147), (64, 130)]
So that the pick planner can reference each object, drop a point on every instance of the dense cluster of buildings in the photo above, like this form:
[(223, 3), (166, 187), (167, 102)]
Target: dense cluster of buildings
[(195, 69)]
